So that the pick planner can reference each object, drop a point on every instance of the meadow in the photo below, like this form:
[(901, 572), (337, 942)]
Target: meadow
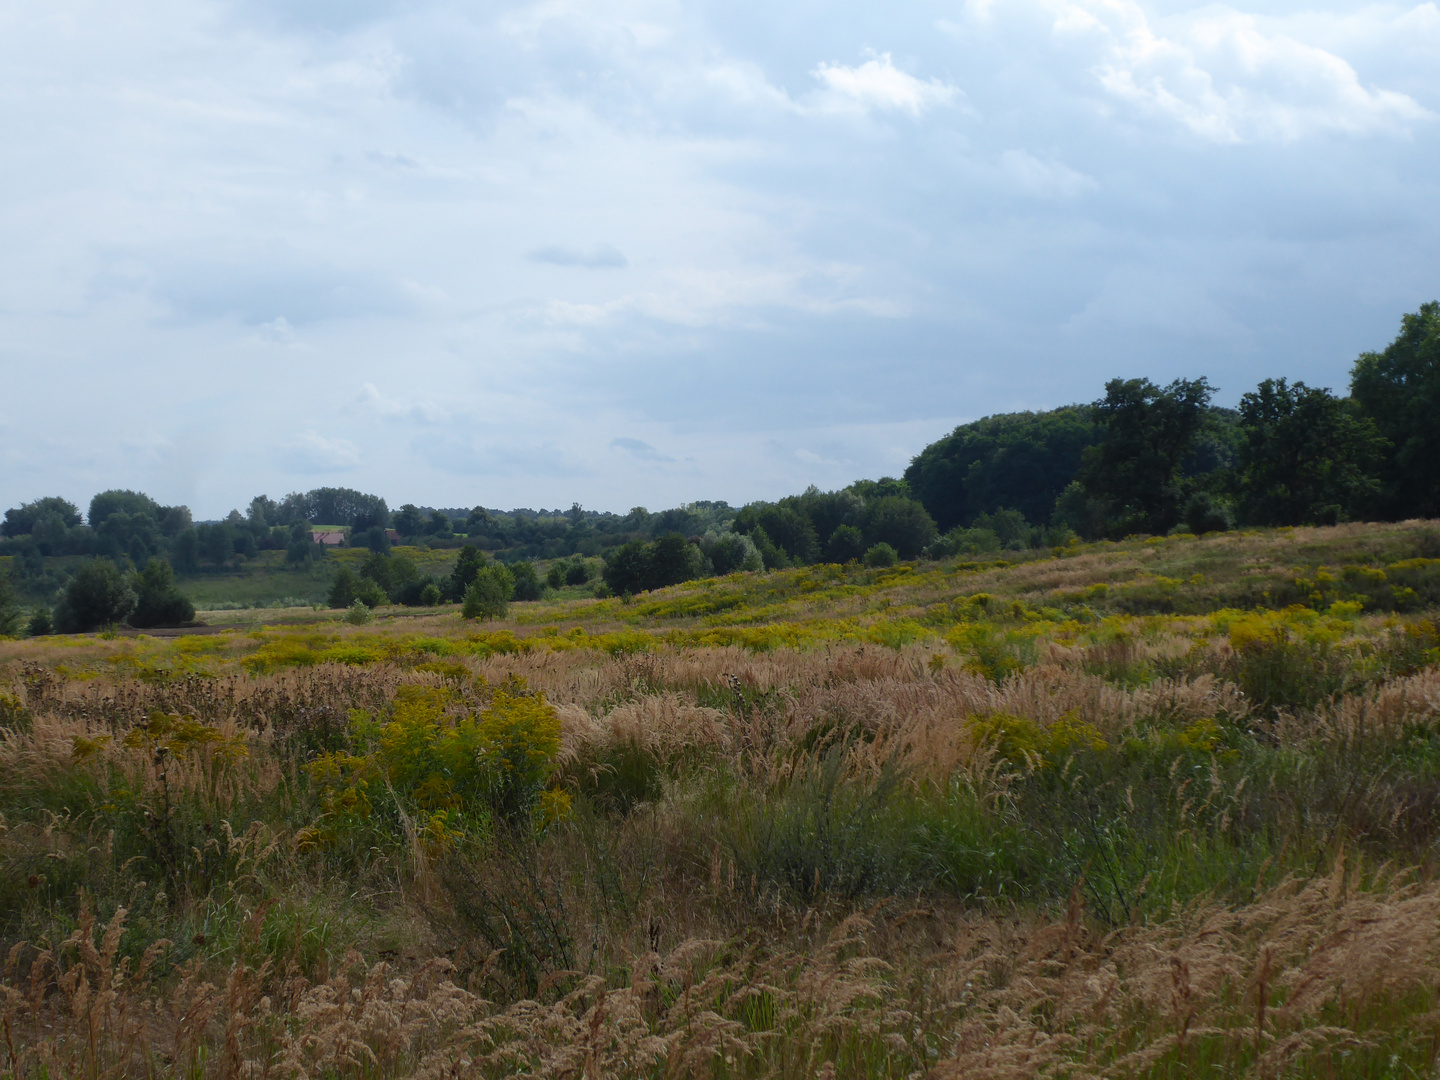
[(1151, 808)]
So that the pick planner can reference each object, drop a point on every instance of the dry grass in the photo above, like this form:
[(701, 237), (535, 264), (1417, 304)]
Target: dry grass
[(1016, 844)]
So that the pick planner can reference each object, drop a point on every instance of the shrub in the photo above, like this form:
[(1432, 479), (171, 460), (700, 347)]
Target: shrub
[(430, 594), (40, 623), (577, 573), (880, 555), (358, 613)]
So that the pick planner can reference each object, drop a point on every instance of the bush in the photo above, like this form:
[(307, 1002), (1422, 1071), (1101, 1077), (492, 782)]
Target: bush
[(96, 596), (1203, 514), (880, 555), (430, 595), (40, 623), (488, 596), (358, 613), (577, 573)]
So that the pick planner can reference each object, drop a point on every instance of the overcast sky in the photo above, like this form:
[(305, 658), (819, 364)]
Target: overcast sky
[(644, 252)]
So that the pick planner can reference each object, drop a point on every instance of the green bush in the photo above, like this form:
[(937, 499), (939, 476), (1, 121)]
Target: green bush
[(159, 601), (881, 555), (358, 613)]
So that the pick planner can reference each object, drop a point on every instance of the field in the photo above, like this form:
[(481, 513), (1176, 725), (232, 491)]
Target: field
[(1156, 808)]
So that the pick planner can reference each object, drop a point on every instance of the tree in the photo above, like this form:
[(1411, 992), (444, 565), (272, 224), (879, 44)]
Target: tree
[(185, 550), (466, 567), (732, 552), (108, 503), (96, 596), (1308, 457), (847, 543), (900, 522), (22, 519), (488, 596), (1135, 473), (409, 521), (673, 559), (374, 538), (527, 582), (627, 568), (881, 555), (1020, 460), (345, 589), (1400, 390), (263, 512), (785, 527), (159, 601), (10, 614)]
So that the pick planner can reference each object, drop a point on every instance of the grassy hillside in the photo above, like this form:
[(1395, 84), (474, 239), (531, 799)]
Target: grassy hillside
[(1131, 809)]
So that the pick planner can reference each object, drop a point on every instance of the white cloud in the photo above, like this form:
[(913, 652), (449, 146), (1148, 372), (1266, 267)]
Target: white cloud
[(416, 412), (879, 85), (1228, 78)]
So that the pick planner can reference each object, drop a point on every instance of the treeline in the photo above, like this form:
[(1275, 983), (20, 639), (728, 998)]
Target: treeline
[(1151, 459), (1143, 459)]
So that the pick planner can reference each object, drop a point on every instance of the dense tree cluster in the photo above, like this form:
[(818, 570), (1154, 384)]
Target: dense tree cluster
[(1152, 459)]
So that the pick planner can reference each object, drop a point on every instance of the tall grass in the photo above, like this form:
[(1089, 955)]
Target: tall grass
[(1023, 845)]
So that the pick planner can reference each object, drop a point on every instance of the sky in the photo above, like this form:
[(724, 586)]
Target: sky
[(639, 252)]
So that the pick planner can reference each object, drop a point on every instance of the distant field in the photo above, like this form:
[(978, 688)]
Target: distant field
[(1159, 808)]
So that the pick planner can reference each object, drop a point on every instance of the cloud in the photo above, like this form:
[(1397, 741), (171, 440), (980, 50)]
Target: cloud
[(1228, 79), (601, 257), (640, 451), (879, 85), (311, 453), (277, 291)]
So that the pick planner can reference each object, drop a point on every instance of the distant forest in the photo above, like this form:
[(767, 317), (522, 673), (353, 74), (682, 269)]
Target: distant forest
[(1142, 459)]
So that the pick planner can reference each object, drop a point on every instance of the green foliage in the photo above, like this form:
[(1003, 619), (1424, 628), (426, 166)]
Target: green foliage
[(97, 596), (358, 613), (880, 555), (784, 527), (40, 624), (159, 601), (1309, 458), (430, 594), (488, 595), (345, 589), (1399, 389), (466, 567), (11, 617), (1204, 513), (900, 522), (24, 519), (1135, 472), (527, 582), (1019, 460), (846, 544), (672, 559)]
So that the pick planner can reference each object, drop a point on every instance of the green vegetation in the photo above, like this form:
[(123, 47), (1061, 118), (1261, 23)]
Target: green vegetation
[(1145, 808)]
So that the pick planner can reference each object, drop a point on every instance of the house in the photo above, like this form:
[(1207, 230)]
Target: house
[(328, 537), (392, 536)]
